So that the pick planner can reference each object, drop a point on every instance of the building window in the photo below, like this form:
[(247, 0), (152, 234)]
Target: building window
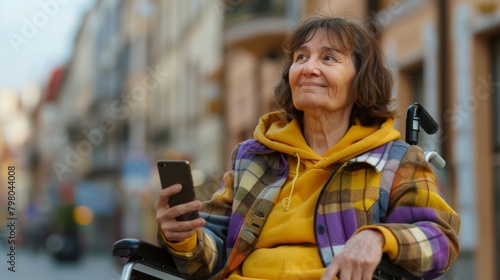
[(414, 77), (416, 81)]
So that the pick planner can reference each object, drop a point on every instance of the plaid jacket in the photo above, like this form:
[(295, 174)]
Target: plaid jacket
[(391, 186)]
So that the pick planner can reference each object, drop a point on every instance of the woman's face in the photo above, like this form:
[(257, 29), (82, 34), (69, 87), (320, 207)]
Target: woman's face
[(321, 78)]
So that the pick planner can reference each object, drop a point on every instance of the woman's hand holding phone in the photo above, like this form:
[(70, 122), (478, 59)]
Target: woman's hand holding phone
[(172, 229)]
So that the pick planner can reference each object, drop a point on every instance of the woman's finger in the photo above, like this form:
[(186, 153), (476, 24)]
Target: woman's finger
[(182, 209), (176, 231), (165, 194), (331, 272)]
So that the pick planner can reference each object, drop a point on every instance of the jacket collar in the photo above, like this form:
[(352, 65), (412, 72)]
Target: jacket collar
[(376, 157)]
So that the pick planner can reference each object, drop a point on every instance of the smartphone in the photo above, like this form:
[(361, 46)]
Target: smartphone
[(178, 172)]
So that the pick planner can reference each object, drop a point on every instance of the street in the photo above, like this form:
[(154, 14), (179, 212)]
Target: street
[(40, 266)]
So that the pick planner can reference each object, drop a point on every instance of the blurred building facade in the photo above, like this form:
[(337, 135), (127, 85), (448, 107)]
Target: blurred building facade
[(444, 55), (143, 82)]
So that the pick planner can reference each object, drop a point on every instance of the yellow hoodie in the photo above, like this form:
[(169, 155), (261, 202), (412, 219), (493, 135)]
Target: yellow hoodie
[(286, 248)]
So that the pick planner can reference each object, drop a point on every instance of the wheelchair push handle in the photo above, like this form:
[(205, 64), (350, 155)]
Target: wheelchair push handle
[(417, 117)]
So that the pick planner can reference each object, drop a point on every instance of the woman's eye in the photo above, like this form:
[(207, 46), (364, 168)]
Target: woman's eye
[(300, 57), (330, 58)]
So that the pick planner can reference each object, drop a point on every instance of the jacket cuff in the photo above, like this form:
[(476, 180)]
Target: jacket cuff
[(390, 243), (182, 247)]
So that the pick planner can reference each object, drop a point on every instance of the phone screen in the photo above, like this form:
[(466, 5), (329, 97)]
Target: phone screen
[(178, 172)]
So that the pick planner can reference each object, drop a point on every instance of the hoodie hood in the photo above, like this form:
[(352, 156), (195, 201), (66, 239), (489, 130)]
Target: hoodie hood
[(284, 136)]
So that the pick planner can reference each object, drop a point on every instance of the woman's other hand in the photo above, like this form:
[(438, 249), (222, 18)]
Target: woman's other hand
[(173, 230), (359, 257)]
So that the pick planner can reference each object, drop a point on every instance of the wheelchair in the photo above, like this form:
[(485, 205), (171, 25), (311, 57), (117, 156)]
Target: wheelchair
[(149, 262)]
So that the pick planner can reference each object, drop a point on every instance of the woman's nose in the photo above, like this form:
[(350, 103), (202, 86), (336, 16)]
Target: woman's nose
[(311, 67)]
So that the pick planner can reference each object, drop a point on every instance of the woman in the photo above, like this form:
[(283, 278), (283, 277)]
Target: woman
[(325, 188)]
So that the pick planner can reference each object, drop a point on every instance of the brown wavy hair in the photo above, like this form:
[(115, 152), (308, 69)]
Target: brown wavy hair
[(373, 82)]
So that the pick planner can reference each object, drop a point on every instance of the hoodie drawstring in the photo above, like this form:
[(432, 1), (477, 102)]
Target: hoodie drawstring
[(288, 200)]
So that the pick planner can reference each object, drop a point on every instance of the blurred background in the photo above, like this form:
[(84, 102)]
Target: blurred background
[(94, 92)]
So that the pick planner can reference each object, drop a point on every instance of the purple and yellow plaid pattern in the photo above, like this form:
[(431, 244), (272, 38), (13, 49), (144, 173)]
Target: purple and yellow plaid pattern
[(391, 186)]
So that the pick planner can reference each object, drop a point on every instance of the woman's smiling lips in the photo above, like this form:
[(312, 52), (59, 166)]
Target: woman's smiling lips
[(311, 84)]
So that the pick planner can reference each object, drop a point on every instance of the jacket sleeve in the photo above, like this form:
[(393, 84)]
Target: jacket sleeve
[(209, 253), (424, 227)]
